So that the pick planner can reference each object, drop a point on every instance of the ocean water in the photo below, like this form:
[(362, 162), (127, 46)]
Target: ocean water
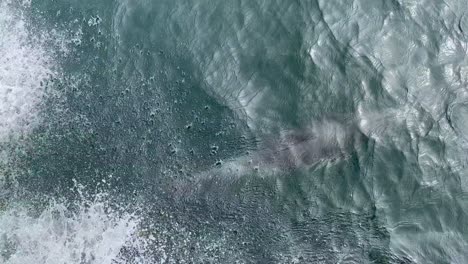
[(138, 131)]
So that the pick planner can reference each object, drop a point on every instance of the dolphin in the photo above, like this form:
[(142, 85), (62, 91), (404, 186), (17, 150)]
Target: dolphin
[(325, 141)]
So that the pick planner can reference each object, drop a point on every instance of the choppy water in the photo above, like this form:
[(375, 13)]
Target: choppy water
[(140, 131)]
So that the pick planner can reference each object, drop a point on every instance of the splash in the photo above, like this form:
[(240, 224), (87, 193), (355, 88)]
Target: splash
[(25, 67), (87, 231)]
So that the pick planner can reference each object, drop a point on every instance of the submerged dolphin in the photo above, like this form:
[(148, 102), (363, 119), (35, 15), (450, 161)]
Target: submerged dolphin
[(326, 140)]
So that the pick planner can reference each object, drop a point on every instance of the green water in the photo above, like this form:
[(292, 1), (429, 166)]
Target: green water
[(139, 131)]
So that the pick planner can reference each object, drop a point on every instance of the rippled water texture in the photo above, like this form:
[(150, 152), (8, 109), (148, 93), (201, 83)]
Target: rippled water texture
[(142, 131)]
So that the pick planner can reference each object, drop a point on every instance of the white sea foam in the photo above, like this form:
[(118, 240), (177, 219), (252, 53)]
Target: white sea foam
[(88, 230), (92, 234), (25, 66)]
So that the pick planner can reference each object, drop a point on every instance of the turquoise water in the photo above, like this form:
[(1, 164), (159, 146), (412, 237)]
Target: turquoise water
[(139, 131)]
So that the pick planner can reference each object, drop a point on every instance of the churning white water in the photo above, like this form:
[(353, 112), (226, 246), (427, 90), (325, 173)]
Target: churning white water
[(25, 66), (92, 232)]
